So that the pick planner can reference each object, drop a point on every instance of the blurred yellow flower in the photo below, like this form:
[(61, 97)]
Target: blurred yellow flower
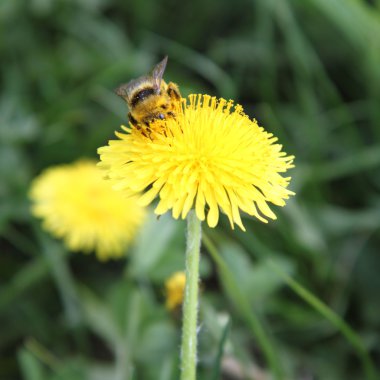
[(78, 205), (211, 156), (175, 286)]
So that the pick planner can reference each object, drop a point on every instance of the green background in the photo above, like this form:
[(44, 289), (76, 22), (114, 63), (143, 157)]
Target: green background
[(308, 71)]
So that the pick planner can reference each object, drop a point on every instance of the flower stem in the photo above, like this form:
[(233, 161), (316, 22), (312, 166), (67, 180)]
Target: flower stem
[(190, 305)]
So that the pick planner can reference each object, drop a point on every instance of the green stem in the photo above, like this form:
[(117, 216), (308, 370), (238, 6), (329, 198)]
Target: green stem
[(190, 305)]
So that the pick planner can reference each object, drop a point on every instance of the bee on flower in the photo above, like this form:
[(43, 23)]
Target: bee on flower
[(150, 98), (208, 156)]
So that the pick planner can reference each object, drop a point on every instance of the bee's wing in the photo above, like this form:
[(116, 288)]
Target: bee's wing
[(158, 72), (127, 90), (122, 90)]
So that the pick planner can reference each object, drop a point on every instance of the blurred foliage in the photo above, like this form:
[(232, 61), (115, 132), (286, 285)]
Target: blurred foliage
[(308, 70)]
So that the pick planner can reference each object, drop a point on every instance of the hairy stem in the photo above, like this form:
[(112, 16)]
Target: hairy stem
[(190, 305)]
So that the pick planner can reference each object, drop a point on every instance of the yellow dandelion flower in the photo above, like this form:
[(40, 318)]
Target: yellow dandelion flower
[(211, 156), (175, 286), (78, 205)]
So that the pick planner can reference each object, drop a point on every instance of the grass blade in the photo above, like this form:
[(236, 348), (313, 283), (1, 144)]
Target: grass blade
[(333, 318), (219, 356), (240, 302)]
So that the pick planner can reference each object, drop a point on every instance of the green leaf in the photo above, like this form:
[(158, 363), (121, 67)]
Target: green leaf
[(154, 246), (99, 318), (239, 300), (257, 281), (31, 368)]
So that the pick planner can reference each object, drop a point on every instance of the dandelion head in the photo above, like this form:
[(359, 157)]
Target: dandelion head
[(79, 206), (174, 290), (211, 156)]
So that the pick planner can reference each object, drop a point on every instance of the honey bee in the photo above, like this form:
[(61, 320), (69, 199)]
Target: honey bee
[(149, 97)]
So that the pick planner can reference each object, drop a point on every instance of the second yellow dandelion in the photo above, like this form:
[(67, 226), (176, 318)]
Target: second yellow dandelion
[(78, 205)]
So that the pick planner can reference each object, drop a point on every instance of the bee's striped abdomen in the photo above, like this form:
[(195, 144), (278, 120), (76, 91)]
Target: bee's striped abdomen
[(141, 95)]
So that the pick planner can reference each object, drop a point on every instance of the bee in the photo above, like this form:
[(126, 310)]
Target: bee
[(149, 97)]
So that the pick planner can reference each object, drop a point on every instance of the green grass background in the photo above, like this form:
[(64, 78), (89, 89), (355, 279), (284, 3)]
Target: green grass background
[(309, 71)]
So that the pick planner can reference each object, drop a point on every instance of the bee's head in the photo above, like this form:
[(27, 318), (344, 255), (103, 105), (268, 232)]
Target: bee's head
[(140, 88)]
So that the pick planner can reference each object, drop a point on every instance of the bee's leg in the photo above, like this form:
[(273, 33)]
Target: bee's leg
[(145, 128), (138, 126), (133, 121), (173, 91), (148, 132)]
